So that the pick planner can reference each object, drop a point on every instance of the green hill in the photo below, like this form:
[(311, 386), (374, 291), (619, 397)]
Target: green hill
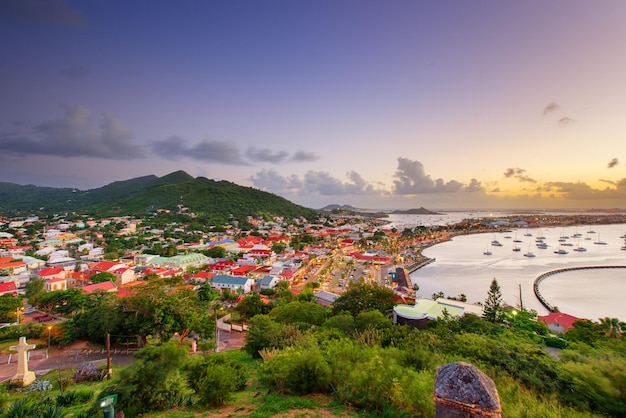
[(218, 201)]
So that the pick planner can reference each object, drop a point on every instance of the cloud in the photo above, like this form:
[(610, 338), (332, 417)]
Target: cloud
[(75, 72), (42, 11), (207, 150), (75, 135), (550, 107), (313, 183), (266, 155), (612, 163), (304, 156), (412, 179), (519, 174), (564, 121), (582, 191)]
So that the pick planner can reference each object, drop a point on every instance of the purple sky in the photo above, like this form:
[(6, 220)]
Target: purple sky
[(442, 104)]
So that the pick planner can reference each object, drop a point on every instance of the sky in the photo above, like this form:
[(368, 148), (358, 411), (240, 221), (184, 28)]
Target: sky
[(375, 104)]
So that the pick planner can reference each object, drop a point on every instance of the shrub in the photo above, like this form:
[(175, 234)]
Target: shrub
[(297, 371), (214, 378), (89, 372)]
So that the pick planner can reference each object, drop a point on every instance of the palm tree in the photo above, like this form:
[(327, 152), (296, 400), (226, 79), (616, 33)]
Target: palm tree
[(612, 327)]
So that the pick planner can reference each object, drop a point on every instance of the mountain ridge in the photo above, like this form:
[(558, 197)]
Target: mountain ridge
[(214, 201)]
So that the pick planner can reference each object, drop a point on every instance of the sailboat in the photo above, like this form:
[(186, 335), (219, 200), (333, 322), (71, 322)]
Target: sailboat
[(579, 248), (487, 252), (560, 251), (599, 242), (529, 253)]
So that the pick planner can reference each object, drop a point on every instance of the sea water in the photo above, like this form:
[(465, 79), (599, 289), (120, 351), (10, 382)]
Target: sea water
[(460, 267)]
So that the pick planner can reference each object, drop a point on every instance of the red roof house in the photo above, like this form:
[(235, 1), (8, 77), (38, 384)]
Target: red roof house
[(558, 321), (104, 286), (8, 288)]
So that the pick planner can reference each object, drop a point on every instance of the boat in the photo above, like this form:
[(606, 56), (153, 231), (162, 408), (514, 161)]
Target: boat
[(599, 242), (516, 248), (560, 251), (487, 252), (579, 248), (542, 245), (567, 244), (529, 253)]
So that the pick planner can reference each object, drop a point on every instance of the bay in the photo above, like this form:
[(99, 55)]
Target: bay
[(462, 268)]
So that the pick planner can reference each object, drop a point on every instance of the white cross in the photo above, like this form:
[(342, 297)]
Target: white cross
[(23, 374)]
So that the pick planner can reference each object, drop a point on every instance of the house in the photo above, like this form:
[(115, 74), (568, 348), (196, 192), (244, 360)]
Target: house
[(325, 298), (558, 321), (234, 284), (202, 276), (12, 266), (52, 273), (267, 282), (8, 288), (108, 286), (55, 283), (124, 275)]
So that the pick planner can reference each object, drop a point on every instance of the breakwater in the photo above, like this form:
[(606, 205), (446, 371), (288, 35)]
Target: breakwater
[(544, 276), (417, 266)]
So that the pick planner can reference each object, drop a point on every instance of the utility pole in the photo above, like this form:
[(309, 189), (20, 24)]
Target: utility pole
[(109, 370), (521, 304)]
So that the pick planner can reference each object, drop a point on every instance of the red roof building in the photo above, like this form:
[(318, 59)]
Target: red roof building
[(558, 321), (51, 273), (104, 286), (8, 288)]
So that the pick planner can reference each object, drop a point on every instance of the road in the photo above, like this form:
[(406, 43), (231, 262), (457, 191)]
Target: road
[(74, 355)]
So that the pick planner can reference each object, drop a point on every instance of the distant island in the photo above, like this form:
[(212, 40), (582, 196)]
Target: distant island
[(420, 211)]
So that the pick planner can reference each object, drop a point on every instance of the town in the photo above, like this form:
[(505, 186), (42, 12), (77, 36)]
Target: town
[(326, 255)]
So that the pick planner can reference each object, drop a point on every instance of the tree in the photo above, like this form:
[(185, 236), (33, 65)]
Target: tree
[(216, 252), (34, 288), (251, 305), (612, 327), (492, 310), (361, 297), (154, 381), (163, 307), (9, 305), (103, 276)]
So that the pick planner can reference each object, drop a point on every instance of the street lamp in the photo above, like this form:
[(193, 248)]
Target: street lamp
[(49, 329), (17, 314), (514, 315)]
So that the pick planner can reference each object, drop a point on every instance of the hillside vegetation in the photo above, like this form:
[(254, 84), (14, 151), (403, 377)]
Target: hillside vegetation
[(302, 359), (215, 201)]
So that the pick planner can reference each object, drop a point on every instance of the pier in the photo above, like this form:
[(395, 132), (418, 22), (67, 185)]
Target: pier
[(544, 276)]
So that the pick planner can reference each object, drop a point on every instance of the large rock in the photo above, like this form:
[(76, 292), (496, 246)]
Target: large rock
[(461, 390)]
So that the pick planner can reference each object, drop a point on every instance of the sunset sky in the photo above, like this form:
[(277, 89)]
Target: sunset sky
[(376, 104)]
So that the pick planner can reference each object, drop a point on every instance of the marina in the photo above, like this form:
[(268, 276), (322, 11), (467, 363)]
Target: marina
[(462, 267)]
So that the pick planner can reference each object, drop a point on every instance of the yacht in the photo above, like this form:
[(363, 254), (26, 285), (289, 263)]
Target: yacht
[(599, 242)]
